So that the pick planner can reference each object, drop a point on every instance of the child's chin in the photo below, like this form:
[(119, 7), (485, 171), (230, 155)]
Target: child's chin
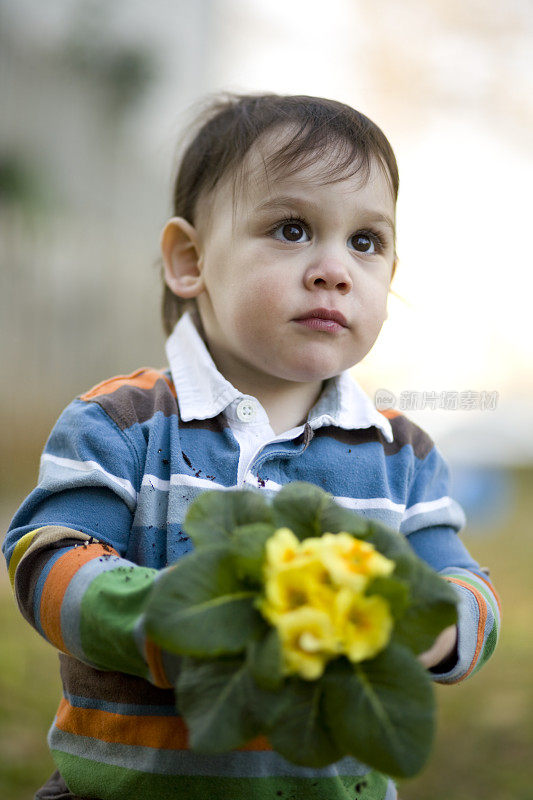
[(311, 373)]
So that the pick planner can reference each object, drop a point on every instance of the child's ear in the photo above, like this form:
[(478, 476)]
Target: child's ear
[(181, 258)]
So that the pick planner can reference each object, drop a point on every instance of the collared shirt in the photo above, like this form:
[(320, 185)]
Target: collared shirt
[(203, 393), (118, 474)]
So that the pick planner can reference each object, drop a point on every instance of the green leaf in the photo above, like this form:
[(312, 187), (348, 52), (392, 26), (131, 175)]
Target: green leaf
[(394, 591), (200, 608), (214, 515), (390, 543), (265, 659), (432, 601), (432, 607), (382, 711), (248, 546), (335, 518), (214, 698), (300, 733), (299, 506)]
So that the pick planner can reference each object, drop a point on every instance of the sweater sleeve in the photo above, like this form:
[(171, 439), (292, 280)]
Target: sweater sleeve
[(66, 547), (431, 522)]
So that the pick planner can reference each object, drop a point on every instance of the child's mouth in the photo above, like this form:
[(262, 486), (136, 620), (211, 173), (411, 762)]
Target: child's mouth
[(323, 319), (317, 324)]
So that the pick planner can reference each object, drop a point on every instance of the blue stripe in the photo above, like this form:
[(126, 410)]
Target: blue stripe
[(126, 709), (56, 554), (72, 600), (243, 763)]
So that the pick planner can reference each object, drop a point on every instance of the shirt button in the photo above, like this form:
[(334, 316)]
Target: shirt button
[(246, 410)]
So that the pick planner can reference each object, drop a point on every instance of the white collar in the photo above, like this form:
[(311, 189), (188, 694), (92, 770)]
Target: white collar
[(203, 392)]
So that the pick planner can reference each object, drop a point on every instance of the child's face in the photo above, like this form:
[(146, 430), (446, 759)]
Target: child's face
[(289, 254)]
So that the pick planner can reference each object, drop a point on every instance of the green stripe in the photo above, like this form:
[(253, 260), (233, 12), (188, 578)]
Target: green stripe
[(110, 609), (488, 650), (107, 782), (482, 588)]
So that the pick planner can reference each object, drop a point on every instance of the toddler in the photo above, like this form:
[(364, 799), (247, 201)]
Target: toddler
[(277, 266)]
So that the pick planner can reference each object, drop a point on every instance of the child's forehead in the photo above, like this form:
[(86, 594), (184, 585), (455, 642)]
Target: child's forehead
[(261, 180), (273, 167), (265, 172), (270, 164)]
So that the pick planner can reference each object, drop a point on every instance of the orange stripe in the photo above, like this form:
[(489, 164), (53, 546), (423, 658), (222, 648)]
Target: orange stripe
[(155, 665), (56, 585), (390, 413), (144, 378), (259, 743), (491, 587), (168, 733), (481, 625)]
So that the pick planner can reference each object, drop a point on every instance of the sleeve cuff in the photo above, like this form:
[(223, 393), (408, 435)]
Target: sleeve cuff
[(467, 639)]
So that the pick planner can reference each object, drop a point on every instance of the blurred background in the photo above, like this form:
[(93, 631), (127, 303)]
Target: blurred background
[(94, 96)]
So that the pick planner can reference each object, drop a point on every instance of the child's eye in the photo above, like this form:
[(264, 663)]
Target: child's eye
[(366, 242), (291, 230)]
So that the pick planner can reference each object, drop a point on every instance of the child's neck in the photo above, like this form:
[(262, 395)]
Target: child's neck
[(287, 406), (287, 403)]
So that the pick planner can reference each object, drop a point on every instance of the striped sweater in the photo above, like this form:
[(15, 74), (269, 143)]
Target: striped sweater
[(121, 466)]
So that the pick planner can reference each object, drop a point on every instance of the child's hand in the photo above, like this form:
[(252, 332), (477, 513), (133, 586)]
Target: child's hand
[(442, 648)]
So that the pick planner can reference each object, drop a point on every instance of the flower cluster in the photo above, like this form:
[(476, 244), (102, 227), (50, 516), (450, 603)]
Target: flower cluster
[(315, 596), (296, 619)]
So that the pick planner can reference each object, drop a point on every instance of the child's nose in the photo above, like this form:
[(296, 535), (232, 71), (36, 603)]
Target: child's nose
[(328, 273)]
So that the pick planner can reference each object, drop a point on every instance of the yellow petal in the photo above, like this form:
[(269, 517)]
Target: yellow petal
[(281, 547), (308, 641), (364, 624)]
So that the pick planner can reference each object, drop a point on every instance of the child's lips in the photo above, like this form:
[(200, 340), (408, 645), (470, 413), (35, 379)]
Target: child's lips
[(323, 319)]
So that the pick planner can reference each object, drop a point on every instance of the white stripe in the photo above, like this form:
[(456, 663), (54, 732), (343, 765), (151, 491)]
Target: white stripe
[(155, 482), (203, 483), (371, 502), (253, 480), (425, 508), (179, 479), (89, 466), (347, 502)]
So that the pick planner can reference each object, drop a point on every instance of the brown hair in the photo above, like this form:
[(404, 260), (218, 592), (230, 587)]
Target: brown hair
[(232, 124)]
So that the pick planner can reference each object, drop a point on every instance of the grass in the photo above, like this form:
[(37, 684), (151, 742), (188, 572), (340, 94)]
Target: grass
[(485, 725), (485, 732)]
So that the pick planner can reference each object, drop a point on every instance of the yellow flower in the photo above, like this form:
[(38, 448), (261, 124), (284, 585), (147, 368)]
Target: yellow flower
[(281, 548), (364, 624), (303, 584), (314, 597), (349, 561), (308, 641)]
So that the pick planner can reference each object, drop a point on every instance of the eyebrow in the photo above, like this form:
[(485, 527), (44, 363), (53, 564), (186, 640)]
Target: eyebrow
[(284, 201)]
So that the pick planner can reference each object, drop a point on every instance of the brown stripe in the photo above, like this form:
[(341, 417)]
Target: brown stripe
[(130, 402), (216, 424), (407, 432), (351, 437), (114, 687), (404, 432)]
